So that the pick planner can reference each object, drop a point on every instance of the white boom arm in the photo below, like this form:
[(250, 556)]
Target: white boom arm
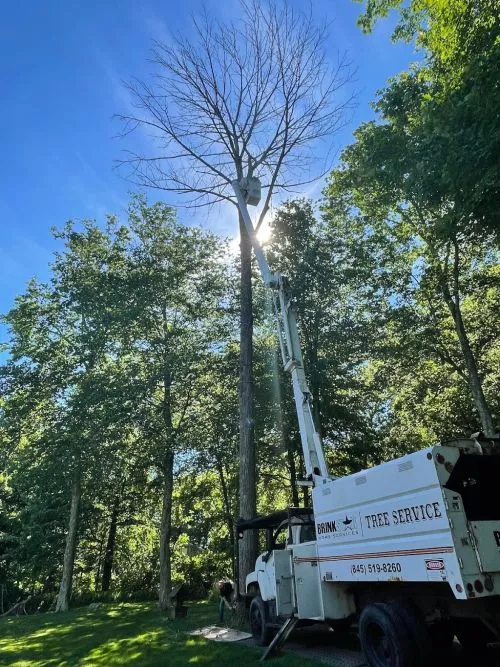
[(286, 320)]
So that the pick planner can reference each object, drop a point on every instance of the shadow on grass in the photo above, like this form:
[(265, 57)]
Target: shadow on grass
[(126, 634)]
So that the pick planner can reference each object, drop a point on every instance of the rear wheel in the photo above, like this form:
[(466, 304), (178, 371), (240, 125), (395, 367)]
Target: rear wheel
[(259, 623), (417, 627), (385, 638)]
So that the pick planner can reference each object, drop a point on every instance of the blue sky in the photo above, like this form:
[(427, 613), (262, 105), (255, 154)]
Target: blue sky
[(63, 62)]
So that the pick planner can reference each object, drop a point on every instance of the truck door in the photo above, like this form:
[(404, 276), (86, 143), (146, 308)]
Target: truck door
[(285, 597), (307, 581)]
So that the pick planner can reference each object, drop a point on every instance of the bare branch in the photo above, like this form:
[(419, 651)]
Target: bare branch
[(253, 97)]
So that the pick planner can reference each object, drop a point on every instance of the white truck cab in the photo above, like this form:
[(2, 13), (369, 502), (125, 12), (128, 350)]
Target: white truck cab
[(283, 530)]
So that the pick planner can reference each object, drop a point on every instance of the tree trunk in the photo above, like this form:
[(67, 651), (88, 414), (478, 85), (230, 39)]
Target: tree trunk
[(227, 514), (63, 597), (247, 481), (166, 532), (167, 468), (475, 384), (287, 445), (109, 554), (98, 577)]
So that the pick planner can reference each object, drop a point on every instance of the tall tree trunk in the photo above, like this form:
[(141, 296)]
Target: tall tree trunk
[(166, 512), (109, 554), (228, 515), (247, 480), (475, 384), (97, 579), (287, 445), (166, 532), (63, 597)]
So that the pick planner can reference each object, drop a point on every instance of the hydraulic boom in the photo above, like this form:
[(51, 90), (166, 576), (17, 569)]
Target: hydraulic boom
[(248, 190)]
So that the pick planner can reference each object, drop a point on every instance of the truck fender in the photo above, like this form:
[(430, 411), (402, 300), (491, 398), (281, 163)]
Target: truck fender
[(258, 583)]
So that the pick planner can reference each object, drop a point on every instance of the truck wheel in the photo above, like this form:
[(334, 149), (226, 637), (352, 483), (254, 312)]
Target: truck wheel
[(417, 627), (385, 638), (261, 631)]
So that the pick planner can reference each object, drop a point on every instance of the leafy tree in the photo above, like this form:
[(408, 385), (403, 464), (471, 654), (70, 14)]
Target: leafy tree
[(216, 412), (332, 272), (382, 177), (453, 136), (57, 415), (172, 289), (105, 362)]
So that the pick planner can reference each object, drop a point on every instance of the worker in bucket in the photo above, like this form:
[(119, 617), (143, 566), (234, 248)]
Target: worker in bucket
[(226, 590)]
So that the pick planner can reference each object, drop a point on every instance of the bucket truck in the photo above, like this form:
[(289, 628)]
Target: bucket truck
[(408, 550)]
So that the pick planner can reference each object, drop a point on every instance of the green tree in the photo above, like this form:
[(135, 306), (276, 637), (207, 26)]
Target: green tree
[(173, 287), (62, 431), (332, 270), (448, 107), (431, 256)]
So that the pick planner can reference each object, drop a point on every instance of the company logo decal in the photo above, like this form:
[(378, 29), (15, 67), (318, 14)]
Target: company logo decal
[(326, 527), (343, 526), (434, 565)]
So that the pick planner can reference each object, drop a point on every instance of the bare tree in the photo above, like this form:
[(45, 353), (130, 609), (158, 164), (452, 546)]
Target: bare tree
[(256, 96)]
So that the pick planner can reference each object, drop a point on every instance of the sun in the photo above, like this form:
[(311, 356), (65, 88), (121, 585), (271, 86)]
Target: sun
[(264, 233), (263, 236)]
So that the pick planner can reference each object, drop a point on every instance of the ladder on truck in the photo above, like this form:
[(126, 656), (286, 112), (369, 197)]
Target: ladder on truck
[(281, 636)]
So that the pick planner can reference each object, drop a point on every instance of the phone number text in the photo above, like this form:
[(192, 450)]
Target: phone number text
[(375, 568)]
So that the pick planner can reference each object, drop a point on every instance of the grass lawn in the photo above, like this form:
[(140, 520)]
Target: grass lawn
[(121, 634)]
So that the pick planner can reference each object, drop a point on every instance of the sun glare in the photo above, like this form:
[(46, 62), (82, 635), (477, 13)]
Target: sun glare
[(263, 236)]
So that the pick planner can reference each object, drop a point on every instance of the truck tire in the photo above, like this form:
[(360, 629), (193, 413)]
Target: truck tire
[(385, 638), (415, 624), (259, 623)]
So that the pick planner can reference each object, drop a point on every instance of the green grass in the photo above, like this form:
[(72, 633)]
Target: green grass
[(121, 634)]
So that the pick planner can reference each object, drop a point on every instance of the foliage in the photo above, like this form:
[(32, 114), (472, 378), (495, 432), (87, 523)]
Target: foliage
[(122, 368), (381, 353), (411, 181), (451, 136), (331, 271)]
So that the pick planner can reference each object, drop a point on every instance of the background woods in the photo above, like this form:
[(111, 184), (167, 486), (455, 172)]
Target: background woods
[(127, 447)]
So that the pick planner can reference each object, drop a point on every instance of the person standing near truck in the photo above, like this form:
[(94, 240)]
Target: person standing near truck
[(226, 590)]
